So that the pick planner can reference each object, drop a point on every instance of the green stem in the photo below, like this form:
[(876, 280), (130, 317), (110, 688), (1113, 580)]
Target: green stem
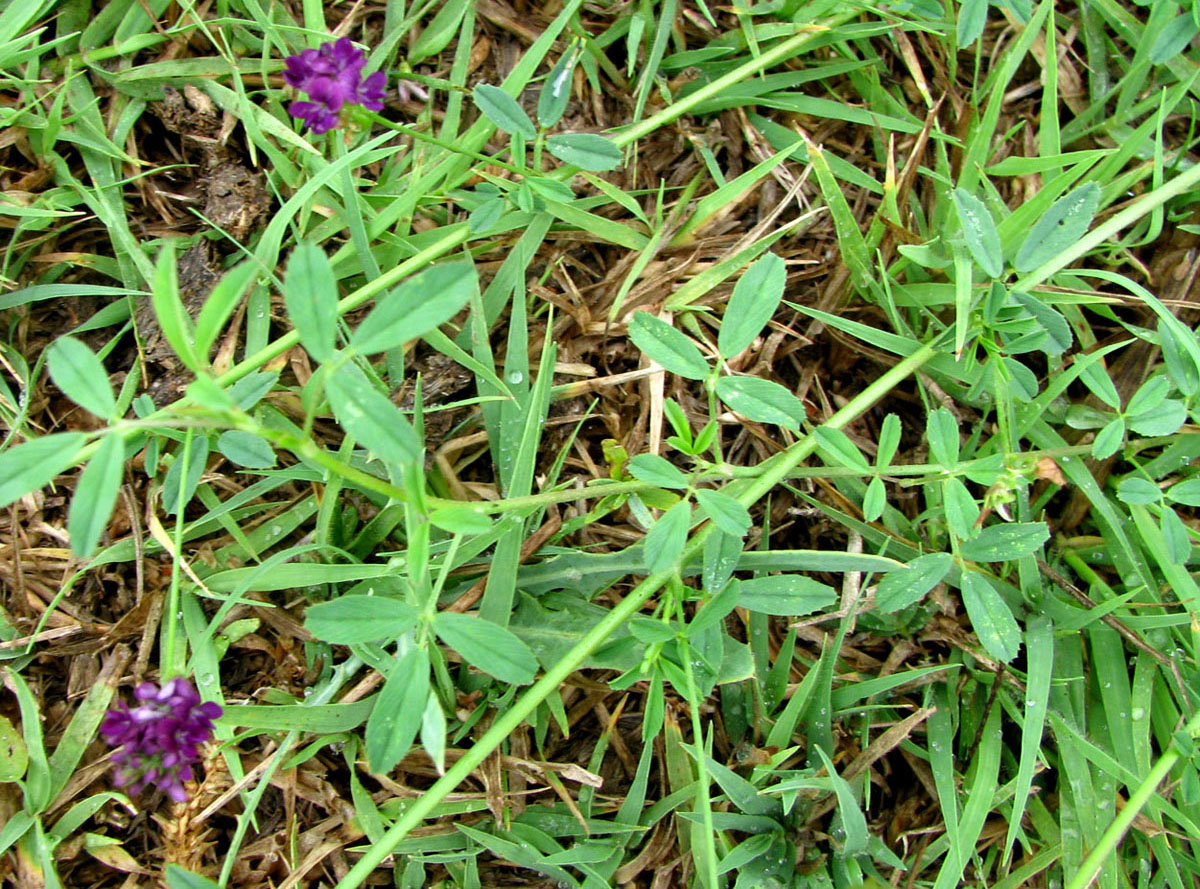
[(1137, 801), (412, 265), (776, 469), (705, 795), (782, 52), (1108, 229), (321, 695), (309, 450), (354, 217)]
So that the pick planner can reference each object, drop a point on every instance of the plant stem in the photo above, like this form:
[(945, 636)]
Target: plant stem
[(1137, 801), (439, 248), (1108, 230), (776, 469), (772, 56)]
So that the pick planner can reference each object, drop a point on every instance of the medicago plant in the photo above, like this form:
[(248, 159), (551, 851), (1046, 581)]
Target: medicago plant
[(640, 444)]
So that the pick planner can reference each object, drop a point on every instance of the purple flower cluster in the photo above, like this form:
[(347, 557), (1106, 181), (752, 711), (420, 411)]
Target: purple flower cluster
[(159, 738), (332, 77)]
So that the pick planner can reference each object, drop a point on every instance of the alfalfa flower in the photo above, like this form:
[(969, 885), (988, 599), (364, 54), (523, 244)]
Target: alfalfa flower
[(159, 739), (331, 76)]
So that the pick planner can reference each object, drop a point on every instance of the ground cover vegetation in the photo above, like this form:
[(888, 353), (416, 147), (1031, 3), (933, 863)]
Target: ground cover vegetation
[(599, 444)]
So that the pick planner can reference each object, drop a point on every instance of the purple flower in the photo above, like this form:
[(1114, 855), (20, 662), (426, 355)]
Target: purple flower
[(159, 739), (332, 77)]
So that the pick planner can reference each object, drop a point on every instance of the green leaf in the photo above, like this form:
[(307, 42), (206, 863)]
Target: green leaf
[(1173, 38), (1109, 439), (486, 646), (874, 500), (323, 719), (486, 214), (310, 293), (745, 852), (721, 554), (207, 392), (81, 376), (14, 756), (854, 822), (904, 586), (994, 623), (666, 345), (961, 509), (1067, 220), (178, 878), (1181, 367), (551, 633), (556, 91), (1185, 492), (650, 631), (197, 458), (679, 423), (221, 302), (889, 440), (941, 428), (503, 110), (714, 610), (1051, 321), (762, 401), (433, 732), (755, 298), (788, 595), (398, 713), (1141, 491), (1163, 419), (726, 513), (173, 319), (246, 449), (16, 827), (1176, 540), (424, 302), (655, 470), (1002, 543), (461, 520), (34, 464), (96, 494), (667, 537), (552, 190), (370, 417), (1100, 384), (839, 446), (972, 17), (979, 231), (437, 35), (1084, 416), (250, 389), (588, 151), (1149, 395), (856, 254), (350, 620)]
